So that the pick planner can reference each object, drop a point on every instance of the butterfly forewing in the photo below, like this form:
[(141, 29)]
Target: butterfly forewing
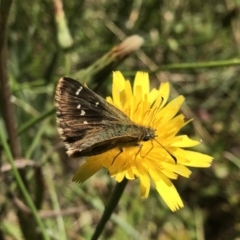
[(88, 124), (72, 97)]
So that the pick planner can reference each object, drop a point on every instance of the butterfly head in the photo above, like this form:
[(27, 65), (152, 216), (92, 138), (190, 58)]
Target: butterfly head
[(149, 134)]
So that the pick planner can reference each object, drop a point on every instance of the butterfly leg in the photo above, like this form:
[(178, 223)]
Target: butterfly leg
[(139, 150), (149, 150), (121, 150)]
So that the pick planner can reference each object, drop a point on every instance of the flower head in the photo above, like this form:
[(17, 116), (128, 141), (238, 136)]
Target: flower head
[(155, 161)]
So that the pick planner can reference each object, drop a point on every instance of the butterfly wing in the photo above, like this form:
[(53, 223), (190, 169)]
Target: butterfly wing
[(87, 123)]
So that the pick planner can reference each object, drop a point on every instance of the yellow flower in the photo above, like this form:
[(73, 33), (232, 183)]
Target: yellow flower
[(157, 160)]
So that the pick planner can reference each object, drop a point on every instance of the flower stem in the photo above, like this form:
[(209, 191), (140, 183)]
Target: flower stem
[(116, 195)]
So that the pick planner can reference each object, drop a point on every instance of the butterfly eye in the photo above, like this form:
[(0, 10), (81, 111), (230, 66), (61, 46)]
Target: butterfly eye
[(146, 138)]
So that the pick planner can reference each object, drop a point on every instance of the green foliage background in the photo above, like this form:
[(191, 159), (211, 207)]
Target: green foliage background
[(193, 44)]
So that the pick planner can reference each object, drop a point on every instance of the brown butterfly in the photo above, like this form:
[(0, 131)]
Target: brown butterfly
[(89, 125)]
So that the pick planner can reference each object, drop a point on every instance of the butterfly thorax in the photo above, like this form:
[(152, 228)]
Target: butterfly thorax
[(136, 132)]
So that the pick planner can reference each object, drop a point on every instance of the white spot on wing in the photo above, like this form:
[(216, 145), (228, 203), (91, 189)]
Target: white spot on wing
[(61, 133), (79, 90), (67, 146), (96, 104), (78, 106), (85, 122), (82, 113)]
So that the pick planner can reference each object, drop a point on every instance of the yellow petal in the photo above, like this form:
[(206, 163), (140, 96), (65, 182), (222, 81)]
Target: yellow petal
[(164, 91), (87, 170), (169, 194), (120, 176), (171, 109), (144, 186), (117, 87), (109, 99), (141, 79), (197, 159), (118, 81), (176, 168), (183, 141)]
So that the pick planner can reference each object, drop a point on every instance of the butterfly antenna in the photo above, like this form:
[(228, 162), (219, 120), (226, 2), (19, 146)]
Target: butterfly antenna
[(172, 156)]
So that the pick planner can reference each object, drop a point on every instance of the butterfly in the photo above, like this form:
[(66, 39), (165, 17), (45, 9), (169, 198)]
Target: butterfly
[(89, 125)]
